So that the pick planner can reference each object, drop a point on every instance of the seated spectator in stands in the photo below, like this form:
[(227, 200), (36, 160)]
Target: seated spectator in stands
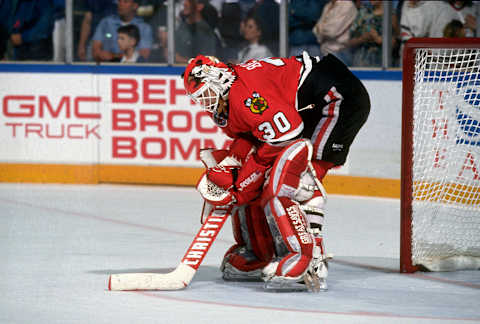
[(463, 10), (232, 15), (253, 34), (128, 37), (210, 15), (454, 29), (95, 10), (366, 35), (105, 47), (333, 28), (194, 35), (302, 17), (31, 30), (422, 19), (419, 19), (267, 13)]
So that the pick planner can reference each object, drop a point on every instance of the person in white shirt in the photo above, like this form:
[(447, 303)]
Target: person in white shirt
[(419, 19), (333, 28), (429, 18), (253, 34), (422, 19), (465, 12)]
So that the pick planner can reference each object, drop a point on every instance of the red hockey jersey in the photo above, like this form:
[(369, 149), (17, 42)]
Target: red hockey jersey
[(262, 100)]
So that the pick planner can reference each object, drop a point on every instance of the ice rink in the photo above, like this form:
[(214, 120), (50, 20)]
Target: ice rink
[(59, 243)]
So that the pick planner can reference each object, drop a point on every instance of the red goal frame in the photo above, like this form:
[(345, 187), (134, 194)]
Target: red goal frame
[(410, 48)]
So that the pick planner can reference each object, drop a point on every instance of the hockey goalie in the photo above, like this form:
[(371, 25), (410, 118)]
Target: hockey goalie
[(292, 119)]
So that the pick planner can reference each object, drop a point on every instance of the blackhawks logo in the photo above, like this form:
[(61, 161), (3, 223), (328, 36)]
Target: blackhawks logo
[(256, 103)]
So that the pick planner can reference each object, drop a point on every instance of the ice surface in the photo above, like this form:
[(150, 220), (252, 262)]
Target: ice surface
[(59, 243)]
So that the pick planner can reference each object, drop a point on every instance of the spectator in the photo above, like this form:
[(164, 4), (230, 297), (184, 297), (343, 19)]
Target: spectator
[(231, 18), (95, 10), (105, 47), (302, 17), (333, 28), (128, 36), (366, 35), (267, 14), (210, 15), (194, 35), (31, 32), (461, 10), (253, 34), (420, 19), (454, 29)]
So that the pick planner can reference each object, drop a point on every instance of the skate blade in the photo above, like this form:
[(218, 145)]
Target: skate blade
[(284, 285), (240, 278), (230, 274)]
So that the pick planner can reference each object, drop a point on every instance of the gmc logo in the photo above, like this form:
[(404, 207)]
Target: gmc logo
[(25, 106)]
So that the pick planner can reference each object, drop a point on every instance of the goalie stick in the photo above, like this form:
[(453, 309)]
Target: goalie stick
[(183, 274)]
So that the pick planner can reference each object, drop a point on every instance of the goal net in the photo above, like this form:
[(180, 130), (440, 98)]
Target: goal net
[(440, 200)]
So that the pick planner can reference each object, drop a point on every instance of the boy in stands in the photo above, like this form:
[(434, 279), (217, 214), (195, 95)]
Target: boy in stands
[(128, 37), (292, 119)]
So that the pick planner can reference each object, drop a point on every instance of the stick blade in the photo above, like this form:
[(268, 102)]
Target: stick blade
[(175, 280)]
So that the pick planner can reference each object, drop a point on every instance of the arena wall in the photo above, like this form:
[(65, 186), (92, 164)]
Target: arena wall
[(134, 124)]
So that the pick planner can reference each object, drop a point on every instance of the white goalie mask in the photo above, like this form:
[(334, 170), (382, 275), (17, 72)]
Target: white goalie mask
[(206, 80)]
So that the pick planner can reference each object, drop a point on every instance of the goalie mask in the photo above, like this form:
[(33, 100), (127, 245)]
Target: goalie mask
[(206, 80)]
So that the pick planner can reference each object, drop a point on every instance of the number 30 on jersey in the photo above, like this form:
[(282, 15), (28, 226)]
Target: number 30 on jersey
[(279, 124)]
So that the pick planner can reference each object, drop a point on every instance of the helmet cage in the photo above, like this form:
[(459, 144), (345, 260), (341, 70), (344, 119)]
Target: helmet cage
[(213, 80), (207, 96)]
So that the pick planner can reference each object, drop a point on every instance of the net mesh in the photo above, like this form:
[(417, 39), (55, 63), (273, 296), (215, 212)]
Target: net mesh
[(446, 154)]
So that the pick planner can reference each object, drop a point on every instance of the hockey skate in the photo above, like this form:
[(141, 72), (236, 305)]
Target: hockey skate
[(232, 270), (314, 279), (230, 273), (280, 283)]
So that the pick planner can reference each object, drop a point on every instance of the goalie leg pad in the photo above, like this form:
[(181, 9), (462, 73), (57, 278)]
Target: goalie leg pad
[(314, 209), (254, 245), (294, 244), (250, 229), (288, 170)]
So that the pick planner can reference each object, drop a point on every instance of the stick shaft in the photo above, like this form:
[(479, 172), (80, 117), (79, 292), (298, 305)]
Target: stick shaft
[(206, 236), (183, 274)]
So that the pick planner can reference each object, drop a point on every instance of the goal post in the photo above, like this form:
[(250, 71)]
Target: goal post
[(440, 172)]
